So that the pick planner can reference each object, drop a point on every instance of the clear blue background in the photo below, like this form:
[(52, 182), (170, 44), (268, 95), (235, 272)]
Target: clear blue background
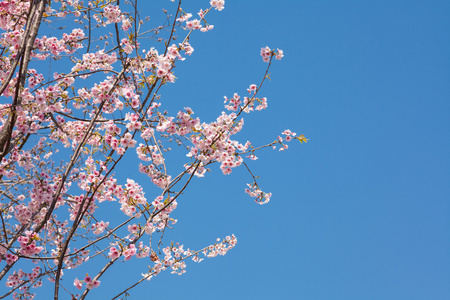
[(362, 210)]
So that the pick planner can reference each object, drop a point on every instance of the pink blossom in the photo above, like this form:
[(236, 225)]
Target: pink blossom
[(112, 13), (77, 283), (266, 53), (252, 88), (279, 54), (217, 4), (113, 253)]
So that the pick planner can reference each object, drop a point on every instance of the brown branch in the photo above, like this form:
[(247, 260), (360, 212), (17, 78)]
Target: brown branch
[(33, 24)]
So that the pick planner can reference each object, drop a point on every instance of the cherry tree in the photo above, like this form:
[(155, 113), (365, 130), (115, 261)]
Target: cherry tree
[(64, 135)]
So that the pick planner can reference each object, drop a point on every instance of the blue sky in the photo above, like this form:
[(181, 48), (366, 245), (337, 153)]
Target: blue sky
[(361, 210)]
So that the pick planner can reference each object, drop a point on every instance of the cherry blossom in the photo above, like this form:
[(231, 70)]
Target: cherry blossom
[(217, 4), (70, 136)]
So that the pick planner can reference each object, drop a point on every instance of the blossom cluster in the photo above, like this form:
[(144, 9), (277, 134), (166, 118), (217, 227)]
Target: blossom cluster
[(248, 104), (260, 196), (217, 4), (64, 200), (28, 244), (174, 256), (90, 283), (267, 53), (18, 280)]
